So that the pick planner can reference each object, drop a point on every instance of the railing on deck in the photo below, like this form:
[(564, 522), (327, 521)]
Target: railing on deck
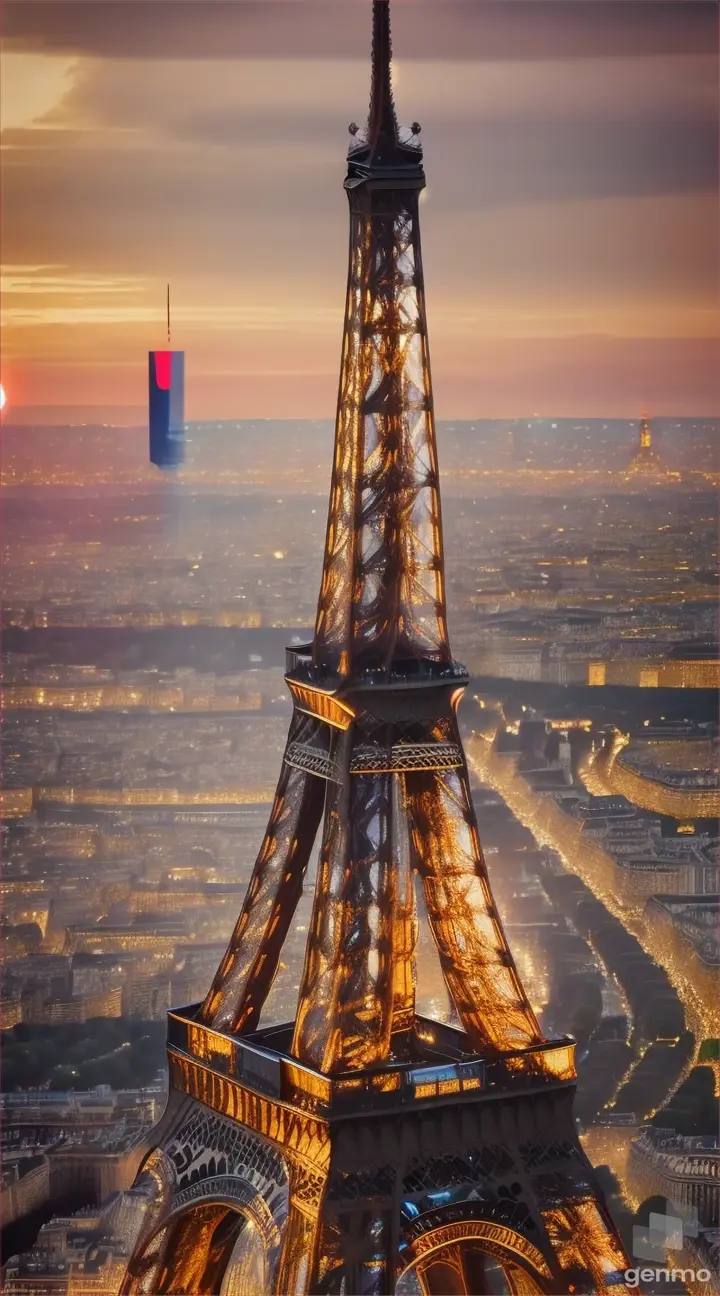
[(273, 1072)]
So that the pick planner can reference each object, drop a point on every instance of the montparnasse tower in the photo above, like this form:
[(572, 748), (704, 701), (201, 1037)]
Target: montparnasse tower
[(362, 1148)]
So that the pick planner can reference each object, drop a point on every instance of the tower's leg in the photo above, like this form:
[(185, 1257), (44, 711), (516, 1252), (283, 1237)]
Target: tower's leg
[(474, 953), (196, 1251), (296, 1266), (474, 1263), (405, 936), (520, 1283), (246, 973), (585, 1242), (444, 1275), (346, 996)]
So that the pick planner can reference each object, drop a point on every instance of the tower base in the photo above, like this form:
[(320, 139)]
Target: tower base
[(439, 1173)]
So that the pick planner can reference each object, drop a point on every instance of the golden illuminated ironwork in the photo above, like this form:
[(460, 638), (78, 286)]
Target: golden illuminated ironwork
[(318, 702), (474, 952), (646, 462), (382, 593), (305, 1141), (405, 919), (496, 1239), (246, 973), (585, 1241), (378, 689), (386, 1147)]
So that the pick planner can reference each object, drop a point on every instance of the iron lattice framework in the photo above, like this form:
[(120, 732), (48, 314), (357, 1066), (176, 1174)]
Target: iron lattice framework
[(374, 752)]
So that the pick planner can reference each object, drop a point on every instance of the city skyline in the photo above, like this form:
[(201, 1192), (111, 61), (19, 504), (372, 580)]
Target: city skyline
[(570, 227)]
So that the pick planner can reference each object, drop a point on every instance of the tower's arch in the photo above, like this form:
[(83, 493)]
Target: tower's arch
[(455, 1259), (217, 1203), (211, 1245)]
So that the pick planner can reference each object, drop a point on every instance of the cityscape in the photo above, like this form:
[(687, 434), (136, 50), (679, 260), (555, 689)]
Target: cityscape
[(464, 1037)]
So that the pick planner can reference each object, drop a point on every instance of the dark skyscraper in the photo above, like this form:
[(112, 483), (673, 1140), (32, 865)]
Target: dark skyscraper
[(364, 1149), (167, 408), (167, 403)]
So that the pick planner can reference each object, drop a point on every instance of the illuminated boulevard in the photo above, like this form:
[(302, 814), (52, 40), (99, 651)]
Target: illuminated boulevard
[(555, 830)]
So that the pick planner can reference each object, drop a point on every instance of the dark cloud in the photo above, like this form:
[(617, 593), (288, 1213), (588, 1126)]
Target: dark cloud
[(444, 29), (491, 164), (470, 169), (214, 212)]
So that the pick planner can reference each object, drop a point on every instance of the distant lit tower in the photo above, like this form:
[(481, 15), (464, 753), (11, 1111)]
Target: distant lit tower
[(167, 404), (646, 462), (363, 1149)]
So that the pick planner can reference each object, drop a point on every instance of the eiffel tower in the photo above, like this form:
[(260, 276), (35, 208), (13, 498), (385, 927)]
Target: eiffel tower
[(646, 462), (364, 1148)]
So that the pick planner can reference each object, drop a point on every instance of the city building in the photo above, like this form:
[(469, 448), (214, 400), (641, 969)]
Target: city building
[(635, 673), (147, 998), (93, 1163), (167, 407), (688, 794), (84, 1254), (82, 1145), (684, 1170), (25, 1187)]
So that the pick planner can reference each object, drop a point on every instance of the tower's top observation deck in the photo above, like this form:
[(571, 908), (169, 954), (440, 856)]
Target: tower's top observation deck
[(384, 149)]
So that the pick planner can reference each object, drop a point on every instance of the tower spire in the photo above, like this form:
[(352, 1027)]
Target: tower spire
[(382, 121)]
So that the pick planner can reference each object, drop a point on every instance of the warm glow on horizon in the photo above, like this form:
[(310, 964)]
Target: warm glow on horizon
[(2, 397), (33, 86), (570, 245)]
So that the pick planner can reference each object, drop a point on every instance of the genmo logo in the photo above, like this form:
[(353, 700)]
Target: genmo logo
[(633, 1277), (662, 1229)]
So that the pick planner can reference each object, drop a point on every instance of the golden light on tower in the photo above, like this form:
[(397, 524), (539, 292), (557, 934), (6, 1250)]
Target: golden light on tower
[(345, 1133), (646, 462)]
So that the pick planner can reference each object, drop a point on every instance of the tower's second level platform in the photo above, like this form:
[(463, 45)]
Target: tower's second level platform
[(434, 1064)]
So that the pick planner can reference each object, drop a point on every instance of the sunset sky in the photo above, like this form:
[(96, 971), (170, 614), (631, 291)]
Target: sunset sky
[(570, 226)]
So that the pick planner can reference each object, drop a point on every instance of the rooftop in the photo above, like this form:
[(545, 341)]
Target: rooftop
[(682, 1158)]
